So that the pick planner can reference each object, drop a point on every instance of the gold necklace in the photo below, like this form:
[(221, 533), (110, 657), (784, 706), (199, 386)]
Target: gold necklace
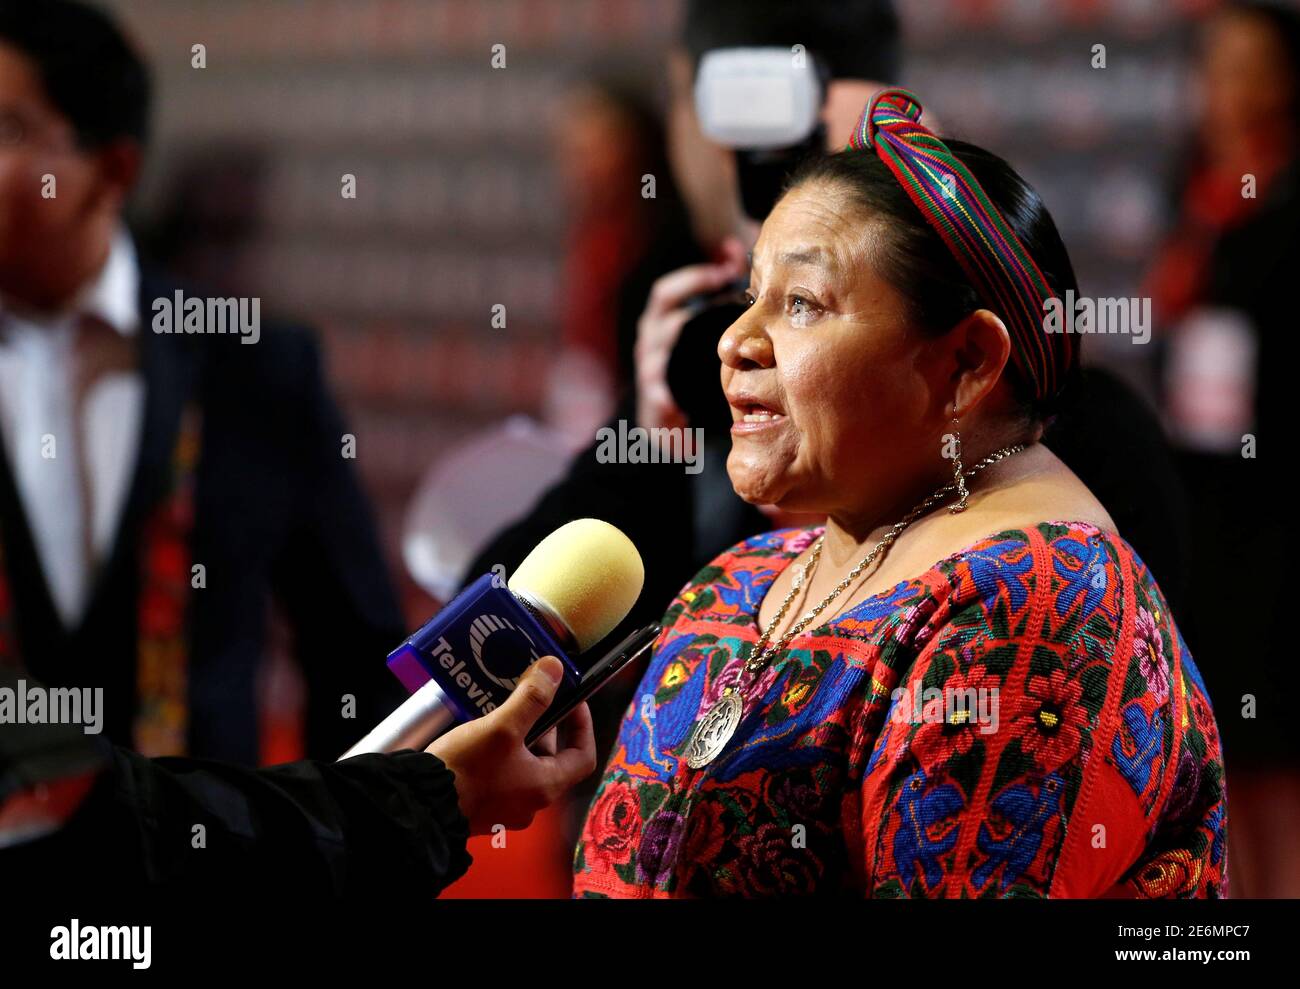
[(714, 730)]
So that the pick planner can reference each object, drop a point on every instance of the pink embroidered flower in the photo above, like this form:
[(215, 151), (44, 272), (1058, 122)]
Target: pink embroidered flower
[(1087, 528), (1150, 652), (801, 539), (728, 676)]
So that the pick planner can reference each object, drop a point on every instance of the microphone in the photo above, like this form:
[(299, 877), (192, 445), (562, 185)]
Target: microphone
[(569, 593)]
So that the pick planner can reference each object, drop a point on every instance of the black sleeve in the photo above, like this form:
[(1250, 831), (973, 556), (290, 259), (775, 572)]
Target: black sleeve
[(372, 824), (331, 578)]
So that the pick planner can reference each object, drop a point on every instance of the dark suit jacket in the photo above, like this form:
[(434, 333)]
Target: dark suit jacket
[(278, 516)]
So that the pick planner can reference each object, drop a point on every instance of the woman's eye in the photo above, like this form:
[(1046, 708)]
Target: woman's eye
[(749, 299), (799, 306)]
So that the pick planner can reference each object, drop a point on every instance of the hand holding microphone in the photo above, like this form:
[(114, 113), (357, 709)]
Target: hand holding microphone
[(498, 779)]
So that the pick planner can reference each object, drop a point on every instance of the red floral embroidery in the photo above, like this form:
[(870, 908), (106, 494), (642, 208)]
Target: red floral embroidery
[(822, 789)]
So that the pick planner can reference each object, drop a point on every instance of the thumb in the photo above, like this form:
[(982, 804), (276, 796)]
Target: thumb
[(530, 699)]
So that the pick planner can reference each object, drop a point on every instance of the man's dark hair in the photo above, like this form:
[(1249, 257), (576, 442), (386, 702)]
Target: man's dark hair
[(854, 39), (89, 70)]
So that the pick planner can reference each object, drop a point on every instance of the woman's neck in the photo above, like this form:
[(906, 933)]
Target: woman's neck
[(849, 534)]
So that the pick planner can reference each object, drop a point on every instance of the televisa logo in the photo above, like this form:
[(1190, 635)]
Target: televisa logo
[(481, 697), (77, 943)]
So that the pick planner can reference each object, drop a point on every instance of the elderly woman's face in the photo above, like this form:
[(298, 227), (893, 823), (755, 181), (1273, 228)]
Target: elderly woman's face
[(833, 393)]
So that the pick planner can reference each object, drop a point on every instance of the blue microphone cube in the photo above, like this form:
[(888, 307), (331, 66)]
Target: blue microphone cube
[(476, 648)]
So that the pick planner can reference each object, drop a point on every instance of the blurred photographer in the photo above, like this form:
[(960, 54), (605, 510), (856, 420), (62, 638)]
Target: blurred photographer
[(754, 87)]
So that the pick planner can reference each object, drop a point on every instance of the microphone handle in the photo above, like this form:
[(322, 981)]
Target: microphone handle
[(418, 720)]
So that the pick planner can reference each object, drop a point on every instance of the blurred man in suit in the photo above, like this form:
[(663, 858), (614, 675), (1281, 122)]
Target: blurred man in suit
[(158, 490)]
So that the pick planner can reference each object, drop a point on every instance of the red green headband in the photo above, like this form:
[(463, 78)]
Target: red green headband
[(988, 250)]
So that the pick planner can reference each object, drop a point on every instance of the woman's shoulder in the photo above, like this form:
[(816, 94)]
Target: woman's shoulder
[(1068, 562), (1071, 585), (1068, 627)]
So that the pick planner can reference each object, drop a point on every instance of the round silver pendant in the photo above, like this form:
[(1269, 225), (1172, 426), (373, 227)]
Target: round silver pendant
[(714, 731)]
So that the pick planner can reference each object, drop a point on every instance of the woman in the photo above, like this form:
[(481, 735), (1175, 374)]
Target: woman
[(830, 709)]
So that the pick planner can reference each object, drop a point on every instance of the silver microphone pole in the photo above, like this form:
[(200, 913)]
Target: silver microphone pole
[(419, 719)]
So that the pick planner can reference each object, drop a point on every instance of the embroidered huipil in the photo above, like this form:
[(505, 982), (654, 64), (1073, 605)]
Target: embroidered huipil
[(1023, 719)]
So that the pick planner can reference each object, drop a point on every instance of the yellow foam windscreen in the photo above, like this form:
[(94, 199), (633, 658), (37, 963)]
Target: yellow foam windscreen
[(587, 573)]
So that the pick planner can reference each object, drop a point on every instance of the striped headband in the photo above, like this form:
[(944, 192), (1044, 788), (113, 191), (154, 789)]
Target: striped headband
[(977, 235)]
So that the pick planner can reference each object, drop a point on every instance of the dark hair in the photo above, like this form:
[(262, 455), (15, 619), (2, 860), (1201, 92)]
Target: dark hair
[(853, 39), (89, 71), (915, 260)]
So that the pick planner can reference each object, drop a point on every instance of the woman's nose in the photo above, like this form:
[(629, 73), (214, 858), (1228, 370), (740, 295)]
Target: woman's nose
[(745, 344)]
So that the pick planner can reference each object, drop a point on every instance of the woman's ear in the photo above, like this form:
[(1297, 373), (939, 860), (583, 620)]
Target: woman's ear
[(981, 347)]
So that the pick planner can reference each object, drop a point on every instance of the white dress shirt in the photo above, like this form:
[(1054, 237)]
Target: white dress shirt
[(36, 402)]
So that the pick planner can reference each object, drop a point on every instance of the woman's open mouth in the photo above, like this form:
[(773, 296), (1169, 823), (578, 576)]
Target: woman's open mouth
[(756, 417)]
